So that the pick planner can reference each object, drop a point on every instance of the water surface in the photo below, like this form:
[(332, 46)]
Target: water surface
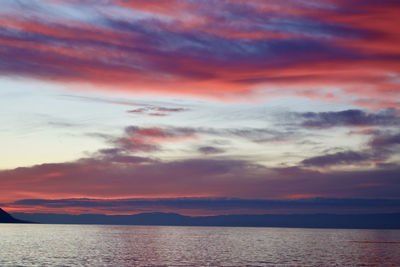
[(105, 245)]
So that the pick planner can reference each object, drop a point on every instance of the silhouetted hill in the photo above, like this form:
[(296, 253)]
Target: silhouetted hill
[(7, 218), (355, 221)]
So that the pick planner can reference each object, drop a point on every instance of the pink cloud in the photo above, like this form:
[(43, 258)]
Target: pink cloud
[(202, 51), (111, 176), (149, 139)]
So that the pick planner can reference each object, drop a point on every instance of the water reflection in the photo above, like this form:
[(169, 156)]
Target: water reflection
[(95, 245)]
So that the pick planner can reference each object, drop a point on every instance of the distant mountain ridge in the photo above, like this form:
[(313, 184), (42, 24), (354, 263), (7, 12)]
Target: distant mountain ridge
[(354, 221), (7, 218)]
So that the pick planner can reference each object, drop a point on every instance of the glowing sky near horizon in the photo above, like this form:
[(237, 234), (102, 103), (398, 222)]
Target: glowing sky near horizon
[(211, 104)]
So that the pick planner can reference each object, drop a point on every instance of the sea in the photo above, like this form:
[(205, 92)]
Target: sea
[(106, 245)]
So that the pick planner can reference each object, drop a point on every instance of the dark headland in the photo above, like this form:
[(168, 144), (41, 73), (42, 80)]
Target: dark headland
[(350, 221), (7, 218)]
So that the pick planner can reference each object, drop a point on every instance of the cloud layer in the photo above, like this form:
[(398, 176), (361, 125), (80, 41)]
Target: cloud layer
[(213, 206), (267, 144), (114, 176), (209, 47), (350, 118)]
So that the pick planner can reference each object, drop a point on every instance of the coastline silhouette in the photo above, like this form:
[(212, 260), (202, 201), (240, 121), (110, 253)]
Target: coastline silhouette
[(349, 221), (7, 218)]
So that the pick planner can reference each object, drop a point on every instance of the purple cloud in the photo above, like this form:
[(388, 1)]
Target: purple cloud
[(206, 47), (339, 158), (351, 117), (382, 141), (210, 150)]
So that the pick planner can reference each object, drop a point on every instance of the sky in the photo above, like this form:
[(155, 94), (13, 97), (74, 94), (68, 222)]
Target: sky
[(200, 107)]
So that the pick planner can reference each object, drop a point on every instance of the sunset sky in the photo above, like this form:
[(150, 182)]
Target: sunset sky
[(200, 107)]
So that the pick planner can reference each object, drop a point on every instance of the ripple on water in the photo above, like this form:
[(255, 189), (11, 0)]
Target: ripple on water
[(97, 245)]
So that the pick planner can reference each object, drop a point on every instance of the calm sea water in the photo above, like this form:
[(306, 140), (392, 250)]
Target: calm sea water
[(94, 245)]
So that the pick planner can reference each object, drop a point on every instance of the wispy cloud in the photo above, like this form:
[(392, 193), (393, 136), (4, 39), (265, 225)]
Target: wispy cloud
[(349, 118), (339, 158), (379, 148), (148, 139), (210, 150), (213, 48)]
